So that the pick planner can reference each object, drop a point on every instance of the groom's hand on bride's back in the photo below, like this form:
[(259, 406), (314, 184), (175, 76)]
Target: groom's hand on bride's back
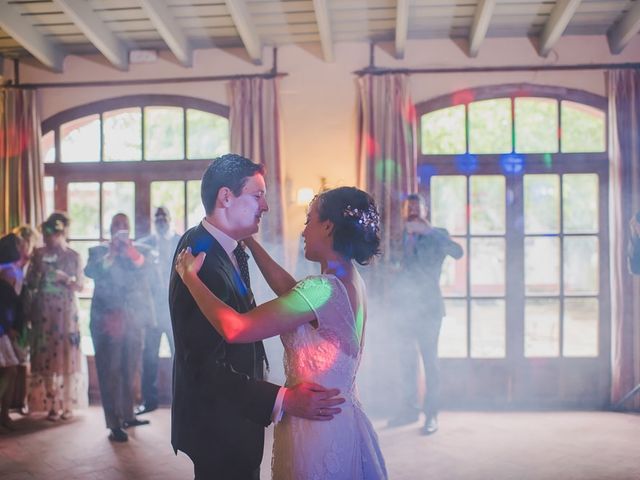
[(312, 401)]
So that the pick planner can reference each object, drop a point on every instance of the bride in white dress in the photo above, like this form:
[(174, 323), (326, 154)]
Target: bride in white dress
[(321, 321)]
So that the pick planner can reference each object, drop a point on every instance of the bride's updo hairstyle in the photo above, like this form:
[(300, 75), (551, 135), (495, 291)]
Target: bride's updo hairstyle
[(356, 233)]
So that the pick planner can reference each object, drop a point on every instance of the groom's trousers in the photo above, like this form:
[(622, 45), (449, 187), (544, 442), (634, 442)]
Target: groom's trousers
[(420, 341), (204, 469)]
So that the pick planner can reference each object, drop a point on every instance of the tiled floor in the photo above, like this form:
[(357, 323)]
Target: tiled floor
[(469, 446)]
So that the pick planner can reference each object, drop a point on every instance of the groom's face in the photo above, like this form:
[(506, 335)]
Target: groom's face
[(246, 209)]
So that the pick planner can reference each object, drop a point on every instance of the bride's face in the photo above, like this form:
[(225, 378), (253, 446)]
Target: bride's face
[(316, 234)]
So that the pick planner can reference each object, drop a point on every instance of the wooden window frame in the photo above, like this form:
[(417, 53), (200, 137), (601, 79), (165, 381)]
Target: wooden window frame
[(141, 172), (509, 370)]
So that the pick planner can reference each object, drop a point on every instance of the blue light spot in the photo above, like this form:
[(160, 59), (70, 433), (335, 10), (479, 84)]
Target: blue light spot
[(467, 163), (425, 172), (512, 163)]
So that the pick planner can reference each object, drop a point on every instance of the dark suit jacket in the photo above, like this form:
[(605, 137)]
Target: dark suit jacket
[(220, 404)]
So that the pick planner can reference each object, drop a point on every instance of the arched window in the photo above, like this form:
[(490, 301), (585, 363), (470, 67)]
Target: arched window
[(129, 154), (518, 175)]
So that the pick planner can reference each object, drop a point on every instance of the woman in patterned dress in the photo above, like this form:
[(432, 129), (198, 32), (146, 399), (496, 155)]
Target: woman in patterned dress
[(54, 278)]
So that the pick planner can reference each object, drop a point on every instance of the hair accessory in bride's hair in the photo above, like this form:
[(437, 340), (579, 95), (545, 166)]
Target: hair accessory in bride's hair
[(369, 218)]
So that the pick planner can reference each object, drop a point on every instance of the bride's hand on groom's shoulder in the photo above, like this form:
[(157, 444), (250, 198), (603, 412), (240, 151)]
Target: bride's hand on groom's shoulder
[(312, 401), (187, 264)]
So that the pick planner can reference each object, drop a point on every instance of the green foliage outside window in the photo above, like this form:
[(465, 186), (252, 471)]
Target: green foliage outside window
[(122, 130), (169, 195), (580, 194), (536, 124), (80, 140), (541, 204), (490, 126), (83, 199), (207, 135), (118, 197), (443, 131), (582, 130), (195, 210), (487, 204), (163, 133)]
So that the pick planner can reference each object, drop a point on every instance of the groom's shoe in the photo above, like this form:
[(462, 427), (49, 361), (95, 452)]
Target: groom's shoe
[(403, 418), (430, 425), (118, 435), (135, 423)]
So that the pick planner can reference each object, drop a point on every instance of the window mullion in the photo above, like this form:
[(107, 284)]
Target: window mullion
[(561, 267), (514, 255), (101, 119)]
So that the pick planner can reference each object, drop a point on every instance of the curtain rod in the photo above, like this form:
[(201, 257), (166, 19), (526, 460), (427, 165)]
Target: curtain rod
[(373, 70), (273, 73), (148, 81)]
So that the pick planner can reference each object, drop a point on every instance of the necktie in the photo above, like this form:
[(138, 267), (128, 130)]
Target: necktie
[(243, 264)]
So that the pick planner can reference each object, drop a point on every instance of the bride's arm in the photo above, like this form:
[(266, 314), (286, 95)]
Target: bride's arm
[(277, 277), (280, 315)]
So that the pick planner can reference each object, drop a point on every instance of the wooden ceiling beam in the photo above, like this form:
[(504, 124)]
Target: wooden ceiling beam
[(92, 26), (33, 41), (324, 28), (246, 28), (623, 32), (168, 28), (558, 20), (480, 25), (402, 27)]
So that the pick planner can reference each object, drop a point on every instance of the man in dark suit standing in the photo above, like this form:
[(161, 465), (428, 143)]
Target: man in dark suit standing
[(221, 404), (163, 244)]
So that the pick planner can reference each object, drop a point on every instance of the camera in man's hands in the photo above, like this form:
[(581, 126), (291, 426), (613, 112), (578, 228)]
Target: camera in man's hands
[(121, 239)]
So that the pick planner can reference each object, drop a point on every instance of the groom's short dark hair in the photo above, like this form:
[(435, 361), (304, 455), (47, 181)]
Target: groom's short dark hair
[(231, 171)]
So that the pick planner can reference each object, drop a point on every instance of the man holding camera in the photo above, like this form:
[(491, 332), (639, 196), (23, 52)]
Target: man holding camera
[(121, 307)]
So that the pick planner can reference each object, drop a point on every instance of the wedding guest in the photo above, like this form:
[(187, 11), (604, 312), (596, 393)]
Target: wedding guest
[(28, 239), (122, 305), (54, 277), (425, 248), (10, 323), (163, 245)]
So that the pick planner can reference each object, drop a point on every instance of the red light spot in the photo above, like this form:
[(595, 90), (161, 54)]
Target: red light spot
[(410, 112), (462, 97), (16, 142), (372, 146)]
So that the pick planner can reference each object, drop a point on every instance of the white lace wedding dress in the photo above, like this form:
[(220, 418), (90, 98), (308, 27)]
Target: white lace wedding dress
[(347, 446)]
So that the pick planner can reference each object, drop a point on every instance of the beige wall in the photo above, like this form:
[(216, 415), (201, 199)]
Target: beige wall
[(318, 99)]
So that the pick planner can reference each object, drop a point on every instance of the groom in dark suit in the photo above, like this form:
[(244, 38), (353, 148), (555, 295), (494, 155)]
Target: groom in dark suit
[(221, 404)]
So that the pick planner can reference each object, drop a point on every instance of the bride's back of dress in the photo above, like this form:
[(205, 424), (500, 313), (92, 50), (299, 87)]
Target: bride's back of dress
[(328, 354)]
